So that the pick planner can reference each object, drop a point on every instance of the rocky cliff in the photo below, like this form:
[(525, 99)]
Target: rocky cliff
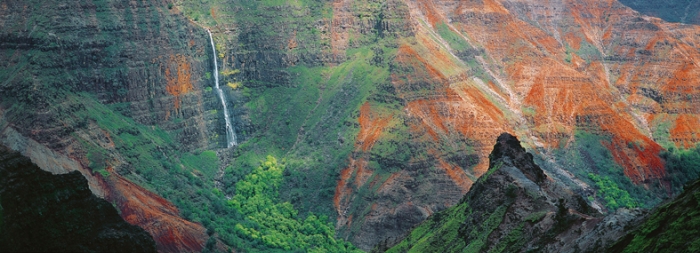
[(516, 207), (375, 106), (72, 70), (41, 212), (570, 77), (388, 103)]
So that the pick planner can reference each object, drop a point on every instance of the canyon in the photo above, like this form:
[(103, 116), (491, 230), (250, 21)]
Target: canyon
[(383, 113)]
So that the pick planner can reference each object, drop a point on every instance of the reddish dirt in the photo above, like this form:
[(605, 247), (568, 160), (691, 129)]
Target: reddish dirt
[(371, 127), (686, 131), (639, 70), (573, 40), (457, 175), (407, 55), (157, 216), (577, 95), (180, 82), (431, 14), (292, 43), (341, 189)]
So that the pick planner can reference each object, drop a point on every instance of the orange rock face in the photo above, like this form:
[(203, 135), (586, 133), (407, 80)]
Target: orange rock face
[(371, 126), (156, 215), (593, 66), (543, 70), (180, 82)]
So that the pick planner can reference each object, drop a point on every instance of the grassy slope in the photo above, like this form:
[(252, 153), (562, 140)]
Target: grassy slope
[(324, 101), (593, 163), (185, 178), (445, 231), (672, 227)]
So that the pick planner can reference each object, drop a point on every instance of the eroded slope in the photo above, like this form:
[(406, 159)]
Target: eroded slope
[(41, 212)]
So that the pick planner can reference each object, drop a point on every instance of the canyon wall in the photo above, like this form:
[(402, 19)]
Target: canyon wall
[(72, 69), (375, 107)]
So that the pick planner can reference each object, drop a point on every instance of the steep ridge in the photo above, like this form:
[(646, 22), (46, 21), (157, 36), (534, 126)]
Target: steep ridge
[(515, 207), (157, 215), (41, 212)]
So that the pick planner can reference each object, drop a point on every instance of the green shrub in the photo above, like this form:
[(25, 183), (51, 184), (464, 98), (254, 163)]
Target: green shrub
[(614, 196)]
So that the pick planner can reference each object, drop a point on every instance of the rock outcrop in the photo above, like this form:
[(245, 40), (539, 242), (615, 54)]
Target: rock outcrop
[(515, 207), (41, 212), (547, 71)]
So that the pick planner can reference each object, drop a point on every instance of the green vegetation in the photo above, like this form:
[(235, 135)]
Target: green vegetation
[(325, 103), (440, 233), (672, 227), (528, 111), (681, 166), (446, 232), (490, 171), (535, 217), (206, 162), (568, 56), (512, 242), (275, 224), (481, 233), (588, 52), (253, 220), (455, 41), (97, 159), (588, 156), (614, 197)]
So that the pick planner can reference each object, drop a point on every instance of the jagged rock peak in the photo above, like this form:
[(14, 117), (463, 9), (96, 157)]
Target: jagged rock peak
[(509, 151)]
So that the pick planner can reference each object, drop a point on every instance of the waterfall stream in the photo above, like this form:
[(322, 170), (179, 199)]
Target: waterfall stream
[(230, 134)]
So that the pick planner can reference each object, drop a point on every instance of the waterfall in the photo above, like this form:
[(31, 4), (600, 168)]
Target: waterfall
[(230, 134)]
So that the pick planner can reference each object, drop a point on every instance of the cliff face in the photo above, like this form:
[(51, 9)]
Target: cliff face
[(555, 73), (401, 99), (515, 207), (72, 70), (377, 106), (140, 57), (44, 212)]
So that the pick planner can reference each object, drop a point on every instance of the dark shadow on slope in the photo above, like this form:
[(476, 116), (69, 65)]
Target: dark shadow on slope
[(679, 11), (41, 212)]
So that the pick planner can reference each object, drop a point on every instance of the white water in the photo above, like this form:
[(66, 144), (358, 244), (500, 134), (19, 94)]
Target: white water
[(230, 134)]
